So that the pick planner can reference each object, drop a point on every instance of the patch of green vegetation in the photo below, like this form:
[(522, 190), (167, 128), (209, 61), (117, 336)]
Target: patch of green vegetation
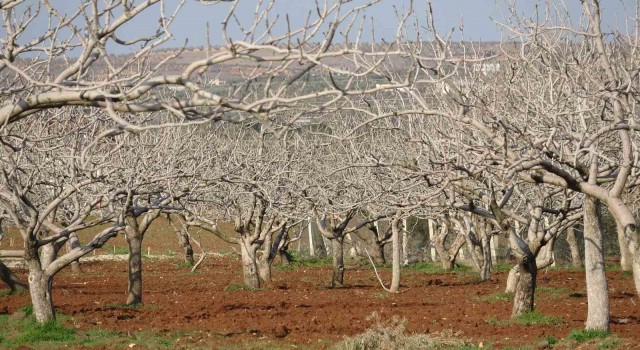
[(51, 331), (551, 340), (551, 290), (502, 296), (124, 306), (502, 267), (567, 268), (237, 287), (117, 250), (534, 318), (582, 335), (609, 343), (184, 265), (27, 331), (530, 318), (431, 268), (381, 294)]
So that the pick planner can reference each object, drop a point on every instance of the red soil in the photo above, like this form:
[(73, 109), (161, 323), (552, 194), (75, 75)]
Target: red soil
[(298, 308)]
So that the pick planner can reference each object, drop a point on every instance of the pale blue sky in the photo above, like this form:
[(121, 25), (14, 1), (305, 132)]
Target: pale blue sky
[(476, 16)]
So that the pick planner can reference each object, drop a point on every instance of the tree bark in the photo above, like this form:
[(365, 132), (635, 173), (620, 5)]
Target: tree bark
[(185, 244), (337, 249), (512, 279), (249, 265), (48, 254), (526, 286), (597, 290), (72, 243), (264, 264), (40, 287), (10, 279), (134, 289), (485, 272), (626, 259), (396, 256), (576, 260)]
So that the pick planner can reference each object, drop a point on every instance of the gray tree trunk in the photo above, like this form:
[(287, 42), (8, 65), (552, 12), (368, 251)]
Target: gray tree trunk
[(249, 265), (264, 264), (134, 289), (185, 244), (72, 243), (48, 254), (396, 256), (576, 260), (525, 287), (512, 279), (485, 271), (597, 290), (337, 249), (10, 279), (626, 259), (40, 287)]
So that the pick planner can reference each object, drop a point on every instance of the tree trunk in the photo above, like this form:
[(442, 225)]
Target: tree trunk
[(576, 260), (134, 290), (597, 290), (72, 243), (264, 264), (40, 287), (525, 287), (10, 278), (485, 271), (626, 260), (337, 249), (512, 279), (396, 251), (249, 265), (185, 244), (48, 254), (379, 258)]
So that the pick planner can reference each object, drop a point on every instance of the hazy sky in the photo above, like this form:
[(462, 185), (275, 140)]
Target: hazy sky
[(476, 15)]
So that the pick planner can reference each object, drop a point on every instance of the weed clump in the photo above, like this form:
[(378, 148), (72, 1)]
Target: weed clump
[(391, 335)]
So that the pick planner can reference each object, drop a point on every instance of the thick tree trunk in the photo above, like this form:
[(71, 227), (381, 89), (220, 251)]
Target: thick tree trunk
[(512, 279), (72, 243), (134, 290), (626, 259), (597, 290), (396, 256), (185, 244), (264, 265), (337, 249), (10, 278), (249, 265), (379, 258), (48, 254), (485, 271), (40, 288), (525, 287), (572, 240)]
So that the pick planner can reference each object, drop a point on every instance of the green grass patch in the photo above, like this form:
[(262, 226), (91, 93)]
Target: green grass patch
[(492, 298), (118, 250), (530, 318), (238, 287), (502, 267), (184, 265), (430, 268), (51, 331), (583, 335)]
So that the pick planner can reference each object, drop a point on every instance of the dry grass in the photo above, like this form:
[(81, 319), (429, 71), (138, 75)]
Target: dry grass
[(391, 335)]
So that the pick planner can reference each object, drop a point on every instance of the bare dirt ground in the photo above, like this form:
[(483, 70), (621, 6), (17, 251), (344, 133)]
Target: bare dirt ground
[(299, 310)]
